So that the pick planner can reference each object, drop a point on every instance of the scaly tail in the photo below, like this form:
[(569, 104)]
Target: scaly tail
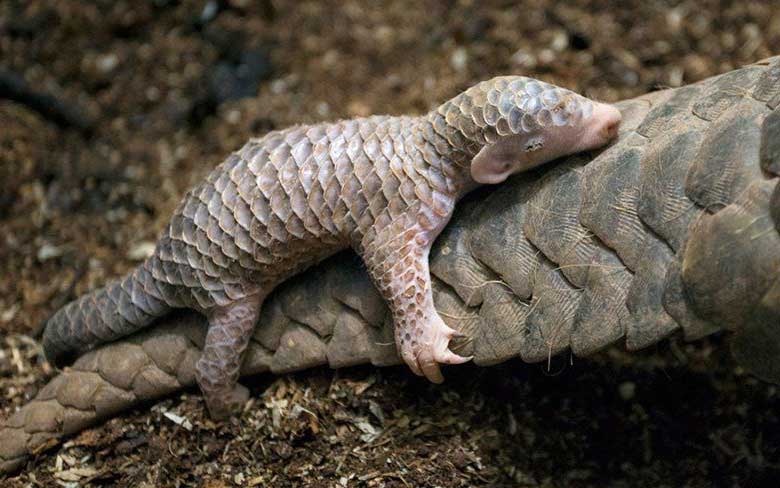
[(105, 315)]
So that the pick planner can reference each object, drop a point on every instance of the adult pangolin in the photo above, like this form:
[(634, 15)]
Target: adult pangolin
[(385, 186)]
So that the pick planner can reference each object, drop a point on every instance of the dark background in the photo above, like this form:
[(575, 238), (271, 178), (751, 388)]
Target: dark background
[(152, 94)]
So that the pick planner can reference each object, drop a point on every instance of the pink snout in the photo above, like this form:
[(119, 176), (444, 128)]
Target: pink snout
[(604, 126)]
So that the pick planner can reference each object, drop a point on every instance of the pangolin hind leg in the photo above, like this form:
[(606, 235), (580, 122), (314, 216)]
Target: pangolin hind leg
[(217, 370)]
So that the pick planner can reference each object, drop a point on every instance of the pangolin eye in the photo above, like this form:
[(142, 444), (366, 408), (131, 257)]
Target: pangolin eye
[(534, 145)]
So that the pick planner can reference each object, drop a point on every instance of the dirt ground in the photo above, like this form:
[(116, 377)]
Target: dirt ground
[(162, 90)]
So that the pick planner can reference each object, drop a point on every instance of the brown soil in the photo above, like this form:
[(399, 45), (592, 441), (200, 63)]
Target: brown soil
[(171, 90)]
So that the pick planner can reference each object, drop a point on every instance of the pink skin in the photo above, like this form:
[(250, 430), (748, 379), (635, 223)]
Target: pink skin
[(431, 335), (602, 128), (493, 164), (512, 154)]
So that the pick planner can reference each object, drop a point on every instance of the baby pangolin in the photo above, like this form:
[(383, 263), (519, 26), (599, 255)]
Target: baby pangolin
[(384, 186)]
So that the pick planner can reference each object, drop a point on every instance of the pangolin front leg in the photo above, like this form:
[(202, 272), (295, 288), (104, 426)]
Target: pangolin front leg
[(217, 370), (421, 335), (397, 261)]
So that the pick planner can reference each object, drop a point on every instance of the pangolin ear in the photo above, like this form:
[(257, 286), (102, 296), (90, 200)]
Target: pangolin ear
[(491, 165)]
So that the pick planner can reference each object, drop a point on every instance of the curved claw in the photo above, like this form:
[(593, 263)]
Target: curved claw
[(432, 349), (450, 357), (430, 367), (411, 360), (432, 371)]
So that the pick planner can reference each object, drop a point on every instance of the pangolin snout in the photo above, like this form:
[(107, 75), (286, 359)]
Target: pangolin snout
[(610, 122), (606, 120)]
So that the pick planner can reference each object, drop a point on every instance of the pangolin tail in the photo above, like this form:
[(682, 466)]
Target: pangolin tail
[(104, 315)]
